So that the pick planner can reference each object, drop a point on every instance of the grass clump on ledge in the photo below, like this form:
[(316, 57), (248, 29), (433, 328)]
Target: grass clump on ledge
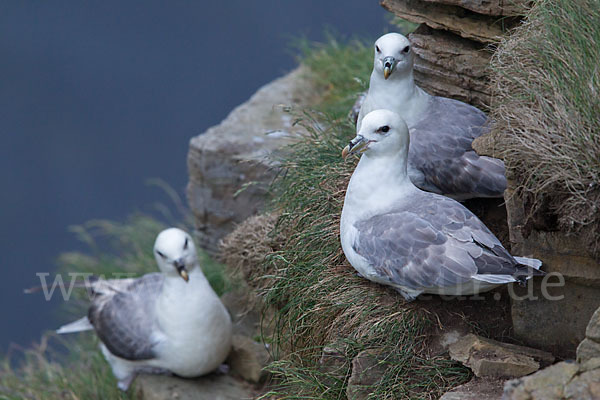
[(72, 366), (320, 301), (546, 83)]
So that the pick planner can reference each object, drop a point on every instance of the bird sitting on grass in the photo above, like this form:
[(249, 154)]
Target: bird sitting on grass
[(167, 322), (441, 159), (417, 242)]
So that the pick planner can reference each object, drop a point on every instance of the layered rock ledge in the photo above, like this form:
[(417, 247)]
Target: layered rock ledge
[(229, 164)]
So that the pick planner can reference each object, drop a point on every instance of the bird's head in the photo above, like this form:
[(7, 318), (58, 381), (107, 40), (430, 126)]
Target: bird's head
[(393, 55), (175, 252), (383, 132)]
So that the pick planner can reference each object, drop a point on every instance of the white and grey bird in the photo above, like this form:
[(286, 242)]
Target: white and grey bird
[(441, 159), (418, 242), (167, 322)]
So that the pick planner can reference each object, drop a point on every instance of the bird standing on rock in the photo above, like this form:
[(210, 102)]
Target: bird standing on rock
[(418, 242), (167, 322), (441, 159)]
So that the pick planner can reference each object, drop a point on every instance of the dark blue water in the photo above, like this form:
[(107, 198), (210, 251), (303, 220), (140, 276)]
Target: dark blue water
[(96, 97)]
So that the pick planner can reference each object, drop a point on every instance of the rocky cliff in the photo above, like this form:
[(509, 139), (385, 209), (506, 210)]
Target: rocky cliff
[(230, 165), (230, 169), (455, 42)]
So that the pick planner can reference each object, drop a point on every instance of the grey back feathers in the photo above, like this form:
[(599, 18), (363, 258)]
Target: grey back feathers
[(440, 147), (124, 318), (435, 242)]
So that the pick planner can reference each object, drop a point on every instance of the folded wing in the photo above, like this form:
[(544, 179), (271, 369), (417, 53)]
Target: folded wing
[(437, 243), (440, 147), (124, 317)]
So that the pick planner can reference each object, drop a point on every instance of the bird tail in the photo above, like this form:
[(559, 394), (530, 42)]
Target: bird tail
[(82, 324), (527, 268), (530, 262)]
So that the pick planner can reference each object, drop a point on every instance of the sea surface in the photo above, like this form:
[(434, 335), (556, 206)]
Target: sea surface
[(98, 97)]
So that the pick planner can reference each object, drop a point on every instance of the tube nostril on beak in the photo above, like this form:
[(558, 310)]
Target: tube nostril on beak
[(181, 270)]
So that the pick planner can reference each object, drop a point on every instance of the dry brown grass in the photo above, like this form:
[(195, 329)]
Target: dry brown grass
[(546, 108), (245, 248)]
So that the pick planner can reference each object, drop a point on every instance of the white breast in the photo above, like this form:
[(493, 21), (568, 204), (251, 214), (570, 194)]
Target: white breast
[(195, 328)]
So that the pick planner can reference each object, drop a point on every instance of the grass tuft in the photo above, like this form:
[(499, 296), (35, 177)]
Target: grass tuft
[(340, 71), (546, 83), (297, 265), (60, 368)]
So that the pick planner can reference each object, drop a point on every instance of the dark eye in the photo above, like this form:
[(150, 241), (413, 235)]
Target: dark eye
[(160, 254), (384, 129), (406, 49), (377, 48), (185, 245)]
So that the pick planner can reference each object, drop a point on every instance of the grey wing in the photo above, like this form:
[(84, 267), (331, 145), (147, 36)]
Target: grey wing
[(440, 147), (434, 244), (406, 250), (469, 233), (125, 320)]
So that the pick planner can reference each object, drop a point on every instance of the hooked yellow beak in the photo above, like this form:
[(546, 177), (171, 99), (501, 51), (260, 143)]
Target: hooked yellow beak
[(180, 267), (346, 152), (388, 66), (358, 145), (387, 71), (183, 273)]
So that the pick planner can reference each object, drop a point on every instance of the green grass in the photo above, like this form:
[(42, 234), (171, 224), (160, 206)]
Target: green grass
[(319, 298), (71, 366), (547, 110), (340, 71), (46, 373)]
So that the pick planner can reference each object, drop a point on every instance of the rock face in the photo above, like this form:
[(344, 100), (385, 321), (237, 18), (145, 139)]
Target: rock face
[(589, 348), (592, 331), (210, 387), (450, 66), (227, 164), (247, 357), (459, 20), (488, 7), (333, 362), (489, 358), (452, 43), (552, 314), (367, 369), (477, 389), (546, 384), (566, 380), (560, 381)]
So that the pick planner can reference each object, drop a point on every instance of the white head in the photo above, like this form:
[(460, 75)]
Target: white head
[(394, 56), (382, 133), (175, 252)]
